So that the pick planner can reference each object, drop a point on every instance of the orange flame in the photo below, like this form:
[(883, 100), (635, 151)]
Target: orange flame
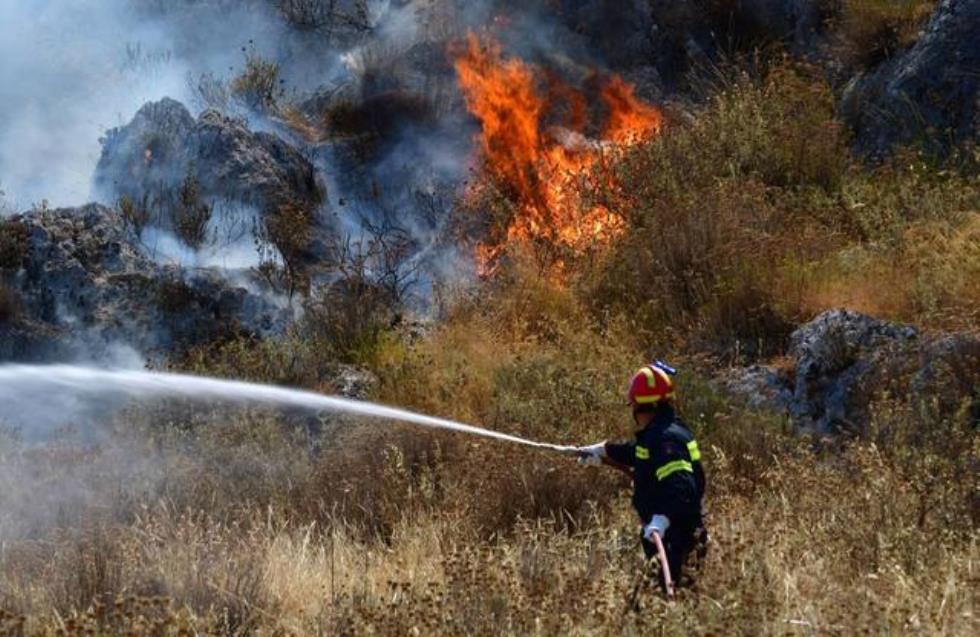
[(542, 169)]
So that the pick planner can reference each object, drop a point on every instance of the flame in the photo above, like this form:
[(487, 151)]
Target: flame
[(541, 168)]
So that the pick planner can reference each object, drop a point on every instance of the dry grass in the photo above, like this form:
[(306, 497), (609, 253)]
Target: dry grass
[(239, 522), (234, 526)]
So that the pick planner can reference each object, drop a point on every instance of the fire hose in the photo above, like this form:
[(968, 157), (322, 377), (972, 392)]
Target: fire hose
[(664, 565), (657, 541)]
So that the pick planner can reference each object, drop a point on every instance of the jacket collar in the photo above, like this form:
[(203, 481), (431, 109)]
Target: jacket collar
[(663, 418)]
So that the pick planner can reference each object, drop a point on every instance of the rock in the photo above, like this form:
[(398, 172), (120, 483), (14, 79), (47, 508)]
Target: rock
[(164, 161), (352, 381), (86, 286), (931, 91), (837, 355), (843, 361), (762, 387), (949, 371)]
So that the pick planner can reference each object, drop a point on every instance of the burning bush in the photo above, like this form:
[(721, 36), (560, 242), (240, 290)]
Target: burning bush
[(541, 169)]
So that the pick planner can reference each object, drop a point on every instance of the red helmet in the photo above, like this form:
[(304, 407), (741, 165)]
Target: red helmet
[(651, 384)]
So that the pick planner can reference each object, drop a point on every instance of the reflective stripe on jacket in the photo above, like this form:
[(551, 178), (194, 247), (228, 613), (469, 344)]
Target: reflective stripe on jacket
[(668, 478)]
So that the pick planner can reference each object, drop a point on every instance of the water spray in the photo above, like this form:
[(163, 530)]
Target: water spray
[(23, 385)]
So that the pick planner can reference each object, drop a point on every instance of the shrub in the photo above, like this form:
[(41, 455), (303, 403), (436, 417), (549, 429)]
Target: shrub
[(191, 214), (306, 15), (754, 216), (135, 215), (174, 296), (350, 317), (871, 31), (289, 230), (258, 86), (14, 244), (10, 304), (325, 15)]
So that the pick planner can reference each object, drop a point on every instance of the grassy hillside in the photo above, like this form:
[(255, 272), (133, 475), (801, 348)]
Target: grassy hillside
[(740, 222)]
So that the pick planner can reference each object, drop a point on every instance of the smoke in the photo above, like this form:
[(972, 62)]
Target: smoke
[(72, 69), (231, 242), (64, 79)]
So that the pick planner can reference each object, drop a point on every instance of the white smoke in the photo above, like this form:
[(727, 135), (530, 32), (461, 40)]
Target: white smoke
[(64, 79), (72, 69)]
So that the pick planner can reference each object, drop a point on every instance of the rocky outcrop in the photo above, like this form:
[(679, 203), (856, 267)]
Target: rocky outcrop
[(165, 162), (762, 387), (844, 360), (353, 381), (85, 285), (839, 356), (163, 145), (930, 93)]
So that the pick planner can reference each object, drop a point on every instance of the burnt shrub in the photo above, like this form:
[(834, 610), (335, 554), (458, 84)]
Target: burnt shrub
[(174, 296), (258, 86), (10, 304), (289, 231), (13, 244), (135, 213), (192, 213), (871, 31)]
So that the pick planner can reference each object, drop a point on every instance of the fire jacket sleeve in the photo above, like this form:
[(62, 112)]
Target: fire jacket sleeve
[(621, 453)]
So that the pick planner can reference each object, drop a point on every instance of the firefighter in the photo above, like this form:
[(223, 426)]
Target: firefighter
[(665, 463)]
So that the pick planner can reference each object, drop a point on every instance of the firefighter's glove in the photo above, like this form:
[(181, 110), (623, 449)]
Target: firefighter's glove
[(658, 525), (592, 455)]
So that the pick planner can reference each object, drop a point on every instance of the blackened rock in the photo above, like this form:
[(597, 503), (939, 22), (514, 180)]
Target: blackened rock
[(164, 156), (87, 286)]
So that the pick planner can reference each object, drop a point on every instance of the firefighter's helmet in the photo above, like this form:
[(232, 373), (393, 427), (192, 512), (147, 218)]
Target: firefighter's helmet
[(651, 384)]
